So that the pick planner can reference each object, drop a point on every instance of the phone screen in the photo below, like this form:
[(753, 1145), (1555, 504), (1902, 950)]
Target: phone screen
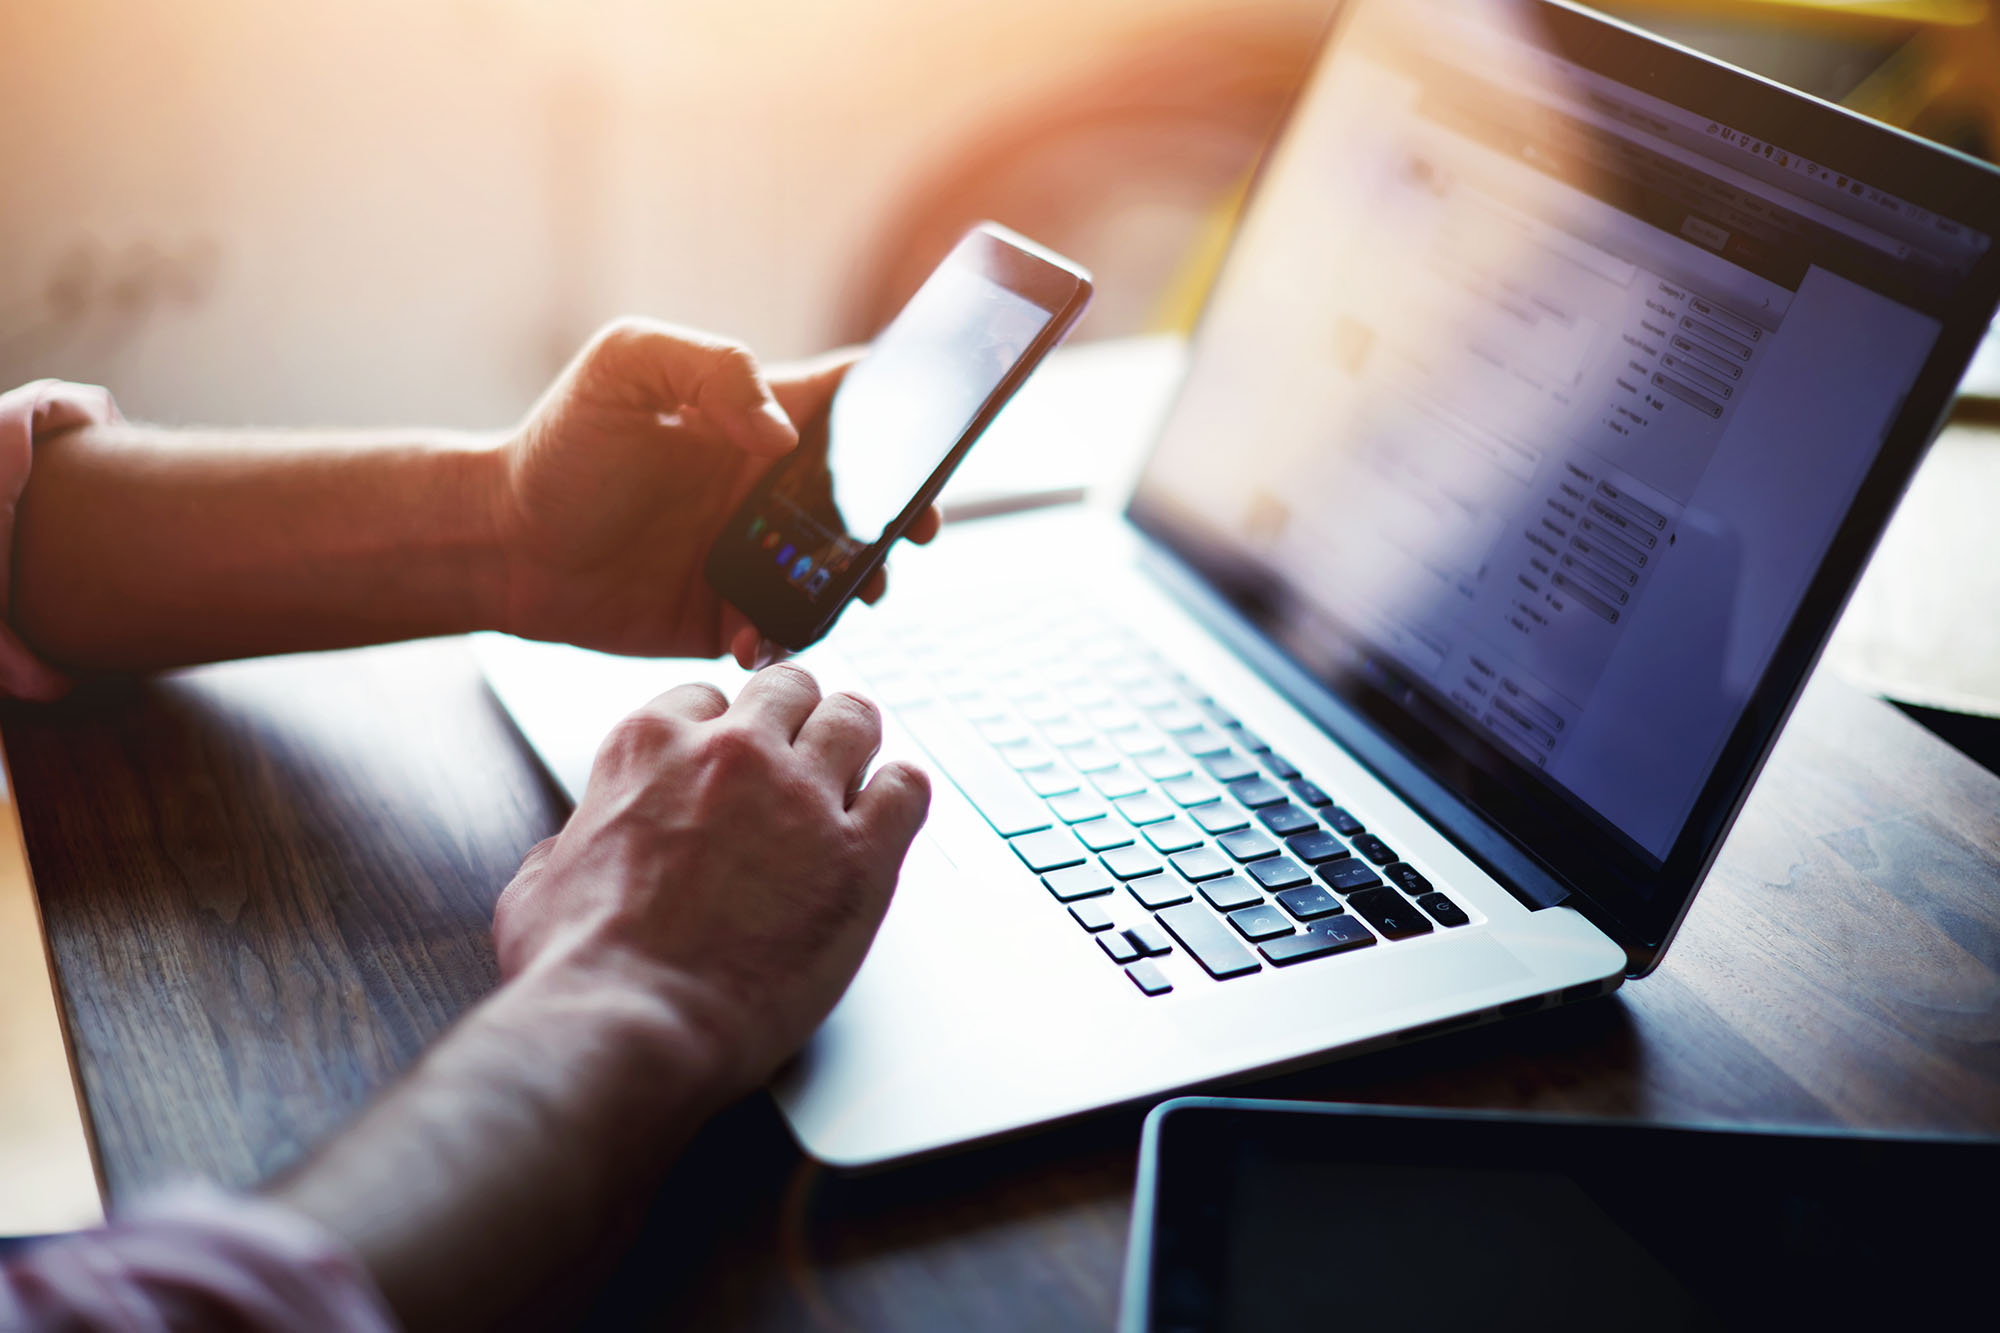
[(895, 417)]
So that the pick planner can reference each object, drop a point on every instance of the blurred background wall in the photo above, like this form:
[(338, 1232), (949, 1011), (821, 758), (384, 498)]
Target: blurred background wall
[(414, 210), (383, 210)]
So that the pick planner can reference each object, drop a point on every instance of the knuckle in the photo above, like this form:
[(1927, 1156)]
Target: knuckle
[(619, 336), (637, 737), (856, 710), (731, 752), (735, 357), (794, 676), (700, 693)]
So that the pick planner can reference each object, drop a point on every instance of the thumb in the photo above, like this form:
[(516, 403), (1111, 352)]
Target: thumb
[(806, 388)]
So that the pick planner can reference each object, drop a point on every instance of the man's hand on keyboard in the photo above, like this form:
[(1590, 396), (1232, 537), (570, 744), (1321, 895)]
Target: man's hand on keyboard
[(727, 858), (704, 907)]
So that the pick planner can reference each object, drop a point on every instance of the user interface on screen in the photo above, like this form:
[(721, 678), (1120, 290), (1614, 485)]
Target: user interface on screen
[(895, 417), (1532, 401)]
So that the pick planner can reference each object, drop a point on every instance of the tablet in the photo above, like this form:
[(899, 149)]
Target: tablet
[(1287, 1215)]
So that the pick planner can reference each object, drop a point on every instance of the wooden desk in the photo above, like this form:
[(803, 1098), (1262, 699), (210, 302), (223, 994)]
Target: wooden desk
[(268, 886)]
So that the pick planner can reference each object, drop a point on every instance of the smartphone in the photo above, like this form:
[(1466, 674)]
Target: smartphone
[(822, 519)]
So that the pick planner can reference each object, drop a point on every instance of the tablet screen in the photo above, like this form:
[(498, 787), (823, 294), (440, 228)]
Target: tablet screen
[(1318, 1218)]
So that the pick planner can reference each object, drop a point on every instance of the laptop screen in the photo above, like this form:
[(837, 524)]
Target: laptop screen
[(1532, 399)]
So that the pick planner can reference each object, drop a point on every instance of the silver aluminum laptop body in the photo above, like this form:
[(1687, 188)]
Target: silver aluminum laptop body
[(982, 1008), (1460, 454)]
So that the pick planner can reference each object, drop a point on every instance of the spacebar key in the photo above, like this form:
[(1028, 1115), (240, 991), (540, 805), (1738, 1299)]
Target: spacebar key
[(970, 763), (1201, 934)]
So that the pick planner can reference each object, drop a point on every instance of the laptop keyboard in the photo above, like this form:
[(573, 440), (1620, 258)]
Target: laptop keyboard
[(1142, 805)]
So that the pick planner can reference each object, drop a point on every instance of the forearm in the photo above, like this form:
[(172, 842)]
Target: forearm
[(518, 1144), (138, 548)]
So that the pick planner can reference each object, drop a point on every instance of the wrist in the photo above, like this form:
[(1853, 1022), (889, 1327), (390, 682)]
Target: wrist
[(650, 1021), (482, 477)]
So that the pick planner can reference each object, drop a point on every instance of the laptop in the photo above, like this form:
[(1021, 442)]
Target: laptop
[(1553, 393)]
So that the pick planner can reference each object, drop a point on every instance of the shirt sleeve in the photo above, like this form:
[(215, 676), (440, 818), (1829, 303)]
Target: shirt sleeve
[(43, 408), (193, 1259)]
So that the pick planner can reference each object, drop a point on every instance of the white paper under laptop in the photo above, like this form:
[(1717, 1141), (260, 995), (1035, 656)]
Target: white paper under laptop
[(1536, 430)]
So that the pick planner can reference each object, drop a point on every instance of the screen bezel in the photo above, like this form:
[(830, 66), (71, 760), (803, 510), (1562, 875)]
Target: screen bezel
[(1550, 850), (755, 586), (1191, 1146)]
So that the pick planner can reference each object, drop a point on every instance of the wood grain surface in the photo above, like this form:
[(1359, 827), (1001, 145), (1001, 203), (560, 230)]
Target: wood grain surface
[(267, 886)]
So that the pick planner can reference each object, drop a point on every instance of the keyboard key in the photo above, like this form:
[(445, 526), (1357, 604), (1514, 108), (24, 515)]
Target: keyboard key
[(1390, 912), (1151, 694), (1219, 715), (1112, 717), (1250, 740), (1229, 766), (1349, 874), (1164, 766), (1191, 791), (1258, 793), (1117, 947), (1201, 863), (1230, 893), (1285, 820), (1002, 730), (1278, 872), (1248, 845), (1146, 975), (1052, 781), (1101, 835), (1199, 931), (1316, 847), (1177, 718), (1051, 849), (1278, 766), (1084, 881), (1447, 912), (1374, 849), (1309, 903), (979, 706), (1310, 794), (1202, 742), (1086, 694), (1091, 758), (1079, 807), (1336, 934), (1157, 891), (1118, 782), (1219, 818), (1026, 755), (1132, 862), (1145, 808), (1091, 914), (1145, 741), (1405, 877), (1261, 922), (1152, 940), (976, 770), (1341, 822), (1067, 733), (1176, 835), (1043, 710)]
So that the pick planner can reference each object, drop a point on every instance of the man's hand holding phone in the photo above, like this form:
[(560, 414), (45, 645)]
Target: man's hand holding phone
[(610, 494)]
